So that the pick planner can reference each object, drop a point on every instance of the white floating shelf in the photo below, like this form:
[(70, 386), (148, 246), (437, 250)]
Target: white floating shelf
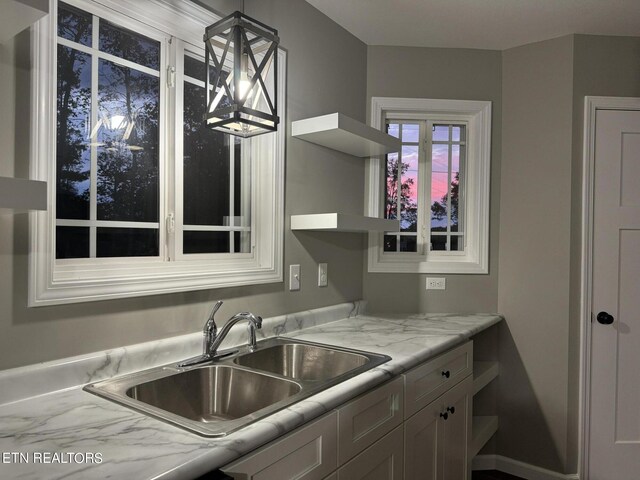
[(483, 428), (20, 195), (20, 14), (342, 133), (339, 222), (483, 374)]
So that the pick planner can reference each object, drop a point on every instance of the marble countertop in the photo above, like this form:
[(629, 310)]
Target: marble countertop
[(135, 446)]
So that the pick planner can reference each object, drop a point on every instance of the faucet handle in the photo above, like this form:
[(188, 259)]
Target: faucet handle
[(211, 322), (215, 308)]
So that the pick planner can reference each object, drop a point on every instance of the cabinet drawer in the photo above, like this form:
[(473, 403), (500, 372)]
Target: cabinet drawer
[(428, 381), (368, 418), (381, 461), (309, 453)]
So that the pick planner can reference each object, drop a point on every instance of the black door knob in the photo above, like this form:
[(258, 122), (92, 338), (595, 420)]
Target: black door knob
[(451, 409), (444, 415), (446, 373), (605, 318)]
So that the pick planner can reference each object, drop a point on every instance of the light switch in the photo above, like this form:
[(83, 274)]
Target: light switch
[(323, 278), (294, 277), (436, 283)]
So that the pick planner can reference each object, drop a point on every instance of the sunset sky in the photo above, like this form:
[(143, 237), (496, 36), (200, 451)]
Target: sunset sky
[(439, 160)]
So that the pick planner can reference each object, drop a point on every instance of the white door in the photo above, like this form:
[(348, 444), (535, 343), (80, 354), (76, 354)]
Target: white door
[(614, 432)]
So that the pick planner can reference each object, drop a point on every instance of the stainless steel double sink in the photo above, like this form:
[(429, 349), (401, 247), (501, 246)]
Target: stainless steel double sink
[(216, 398)]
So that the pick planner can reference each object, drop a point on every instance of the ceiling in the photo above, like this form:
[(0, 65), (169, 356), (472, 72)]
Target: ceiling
[(486, 24)]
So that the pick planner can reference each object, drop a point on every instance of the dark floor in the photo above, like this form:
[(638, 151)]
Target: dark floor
[(492, 475)]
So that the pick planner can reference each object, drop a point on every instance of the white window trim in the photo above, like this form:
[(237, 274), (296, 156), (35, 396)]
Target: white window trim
[(54, 282), (475, 259)]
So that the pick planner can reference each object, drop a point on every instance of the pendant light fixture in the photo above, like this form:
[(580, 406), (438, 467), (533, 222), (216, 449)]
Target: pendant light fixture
[(242, 73)]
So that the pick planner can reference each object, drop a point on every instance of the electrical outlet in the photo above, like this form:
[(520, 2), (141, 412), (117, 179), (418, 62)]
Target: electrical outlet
[(323, 276), (294, 277), (436, 283)]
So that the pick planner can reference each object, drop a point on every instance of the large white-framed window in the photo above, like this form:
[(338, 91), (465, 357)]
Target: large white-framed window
[(143, 199), (437, 185)]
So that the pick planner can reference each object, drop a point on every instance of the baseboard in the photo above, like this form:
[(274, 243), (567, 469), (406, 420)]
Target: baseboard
[(517, 468)]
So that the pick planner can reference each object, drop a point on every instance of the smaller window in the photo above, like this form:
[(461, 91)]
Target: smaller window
[(437, 186), (444, 187)]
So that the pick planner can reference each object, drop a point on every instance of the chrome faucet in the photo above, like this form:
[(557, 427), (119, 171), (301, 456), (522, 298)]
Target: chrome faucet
[(255, 322), (212, 339), (210, 330)]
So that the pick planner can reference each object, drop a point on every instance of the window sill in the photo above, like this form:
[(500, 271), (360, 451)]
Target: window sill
[(149, 279), (467, 264)]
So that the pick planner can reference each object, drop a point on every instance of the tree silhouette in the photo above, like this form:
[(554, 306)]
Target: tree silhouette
[(439, 209), (206, 164), (127, 187), (408, 207), (73, 107)]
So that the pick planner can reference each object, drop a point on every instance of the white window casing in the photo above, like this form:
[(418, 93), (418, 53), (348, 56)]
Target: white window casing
[(475, 257), (54, 281)]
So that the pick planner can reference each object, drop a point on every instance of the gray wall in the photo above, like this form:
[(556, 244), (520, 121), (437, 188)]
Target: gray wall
[(326, 72), (462, 74), (544, 86), (535, 234)]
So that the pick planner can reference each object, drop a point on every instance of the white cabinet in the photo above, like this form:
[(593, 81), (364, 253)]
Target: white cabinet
[(416, 426), (437, 437), (368, 418), (456, 463), (381, 461), (421, 438), (309, 453), (428, 381)]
